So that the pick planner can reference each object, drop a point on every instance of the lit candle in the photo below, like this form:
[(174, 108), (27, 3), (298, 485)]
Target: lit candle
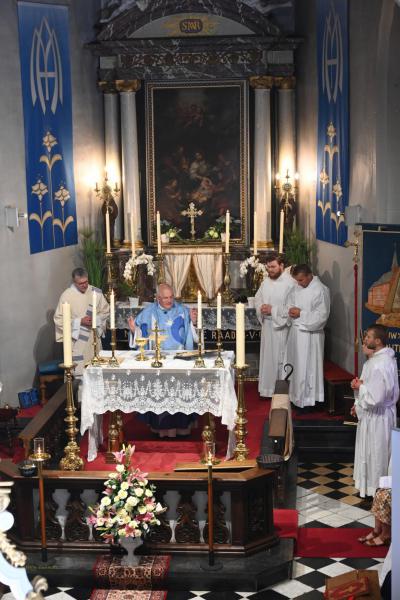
[(158, 233), (38, 445), (199, 313), (281, 228), (255, 233), (240, 354), (112, 310), (108, 239), (67, 337), (132, 235), (227, 230), (219, 311), (94, 310)]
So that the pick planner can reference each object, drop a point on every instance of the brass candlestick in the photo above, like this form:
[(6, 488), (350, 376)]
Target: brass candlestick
[(95, 362), (160, 268), (199, 362), (219, 361), (241, 450), (141, 342), (227, 297), (39, 456), (109, 277), (113, 361), (156, 363), (71, 460)]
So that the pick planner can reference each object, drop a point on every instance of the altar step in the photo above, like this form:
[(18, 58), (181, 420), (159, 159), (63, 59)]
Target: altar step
[(324, 440)]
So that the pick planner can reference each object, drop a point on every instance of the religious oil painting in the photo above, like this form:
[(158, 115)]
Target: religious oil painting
[(197, 159)]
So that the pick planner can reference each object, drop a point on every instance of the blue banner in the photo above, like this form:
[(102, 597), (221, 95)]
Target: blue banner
[(46, 92), (332, 194)]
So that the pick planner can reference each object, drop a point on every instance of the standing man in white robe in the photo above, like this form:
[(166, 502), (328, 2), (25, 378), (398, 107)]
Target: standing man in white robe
[(376, 394), (80, 296), (307, 311), (268, 301)]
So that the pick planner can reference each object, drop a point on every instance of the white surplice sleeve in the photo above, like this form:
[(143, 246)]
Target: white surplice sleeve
[(374, 393), (258, 301), (315, 318), (280, 313)]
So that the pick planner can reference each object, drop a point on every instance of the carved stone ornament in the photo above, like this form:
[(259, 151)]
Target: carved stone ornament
[(53, 527), (187, 528), (76, 527), (286, 83), (262, 82), (132, 85)]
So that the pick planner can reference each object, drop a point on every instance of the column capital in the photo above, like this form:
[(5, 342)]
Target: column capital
[(107, 87), (261, 82), (285, 83), (128, 85)]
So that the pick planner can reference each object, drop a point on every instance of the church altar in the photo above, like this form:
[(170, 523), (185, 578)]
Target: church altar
[(176, 387)]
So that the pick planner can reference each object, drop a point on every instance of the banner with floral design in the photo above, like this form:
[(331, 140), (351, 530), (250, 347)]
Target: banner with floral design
[(47, 103)]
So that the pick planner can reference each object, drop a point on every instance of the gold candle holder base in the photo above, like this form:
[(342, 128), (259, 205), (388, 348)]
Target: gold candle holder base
[(113, 361), (109, 275), (241, 451), (95, 362), (71, 460), (219, 361), (160, 268), (199, 362), (227, 297)]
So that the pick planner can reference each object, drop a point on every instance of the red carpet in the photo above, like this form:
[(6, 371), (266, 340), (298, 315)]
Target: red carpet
[(327, 542), (286, 523)]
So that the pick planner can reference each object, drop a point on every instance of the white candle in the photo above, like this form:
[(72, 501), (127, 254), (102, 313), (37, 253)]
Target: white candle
[(94, 310), (219, 311), (240, 353), (281, 228), (132, 236), (112, 310), (108, 239), (158, 233), (227, 230), (199, 313), (255, 233), (67, 337)]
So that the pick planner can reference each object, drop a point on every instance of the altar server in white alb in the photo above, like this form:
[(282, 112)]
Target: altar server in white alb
[(268, 301), (307, 310), (376, 394), (80, 296)]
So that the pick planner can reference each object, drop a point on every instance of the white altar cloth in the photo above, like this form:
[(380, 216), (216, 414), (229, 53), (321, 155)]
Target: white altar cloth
[(175, 387)]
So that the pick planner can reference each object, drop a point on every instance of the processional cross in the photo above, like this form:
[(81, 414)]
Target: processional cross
[(192, 212)]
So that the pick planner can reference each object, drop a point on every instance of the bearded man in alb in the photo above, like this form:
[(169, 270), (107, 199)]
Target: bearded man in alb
[(376, 394), (268, 301), (80, 296)]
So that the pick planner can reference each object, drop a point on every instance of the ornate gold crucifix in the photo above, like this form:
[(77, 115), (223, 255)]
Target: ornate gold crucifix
[(192, 212)]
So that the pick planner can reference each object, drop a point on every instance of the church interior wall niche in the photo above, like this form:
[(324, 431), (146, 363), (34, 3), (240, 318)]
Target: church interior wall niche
[(197, 152)]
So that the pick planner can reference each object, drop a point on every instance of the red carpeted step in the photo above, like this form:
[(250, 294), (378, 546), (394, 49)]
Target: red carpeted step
[(128, 595), (286, 522), (331, 542)]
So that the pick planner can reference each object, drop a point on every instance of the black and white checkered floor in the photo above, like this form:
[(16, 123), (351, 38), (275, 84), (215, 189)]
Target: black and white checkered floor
[(325, 498)]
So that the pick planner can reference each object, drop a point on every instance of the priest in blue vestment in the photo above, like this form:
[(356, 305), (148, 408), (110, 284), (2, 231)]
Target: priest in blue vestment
[(176, 321)]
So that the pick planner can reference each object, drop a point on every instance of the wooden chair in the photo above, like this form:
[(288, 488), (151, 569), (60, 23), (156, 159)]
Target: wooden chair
[(49, 372)]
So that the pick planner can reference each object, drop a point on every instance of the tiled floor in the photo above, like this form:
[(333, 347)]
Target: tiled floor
[(325, 498)]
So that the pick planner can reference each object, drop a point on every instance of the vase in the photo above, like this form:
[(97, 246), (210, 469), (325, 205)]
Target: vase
[(130, 544), (164, 238)]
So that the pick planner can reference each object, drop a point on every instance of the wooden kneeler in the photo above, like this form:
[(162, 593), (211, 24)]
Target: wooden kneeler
[(280, 419)]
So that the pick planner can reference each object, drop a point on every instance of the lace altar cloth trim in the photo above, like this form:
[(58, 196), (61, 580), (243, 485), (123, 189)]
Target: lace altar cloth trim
[(148, 574)]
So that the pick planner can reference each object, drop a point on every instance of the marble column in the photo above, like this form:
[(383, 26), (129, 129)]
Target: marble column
[(130, 157), (286, 126), (112, 149), (262, 157)]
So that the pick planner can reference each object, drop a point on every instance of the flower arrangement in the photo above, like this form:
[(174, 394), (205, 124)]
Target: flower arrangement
[(217, 230), (128, 507), (170, 230), (134, 262), (253, 263)]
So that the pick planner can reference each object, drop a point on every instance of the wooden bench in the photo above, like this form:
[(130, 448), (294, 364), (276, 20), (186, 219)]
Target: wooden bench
[(336, 381)]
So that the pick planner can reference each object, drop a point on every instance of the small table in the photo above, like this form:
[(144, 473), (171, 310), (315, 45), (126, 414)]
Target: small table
[(177, 386)]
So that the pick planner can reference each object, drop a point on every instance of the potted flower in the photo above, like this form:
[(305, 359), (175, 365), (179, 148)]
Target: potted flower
[(169, 232), (131, 270), (128, 510), (217, 230), (259, 271)]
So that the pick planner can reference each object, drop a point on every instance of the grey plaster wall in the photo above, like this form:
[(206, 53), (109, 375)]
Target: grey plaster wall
[(31, 284), (374, 27)]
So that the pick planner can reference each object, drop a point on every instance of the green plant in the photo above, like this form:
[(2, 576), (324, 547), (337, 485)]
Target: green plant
[(92, 252), (298, 250)]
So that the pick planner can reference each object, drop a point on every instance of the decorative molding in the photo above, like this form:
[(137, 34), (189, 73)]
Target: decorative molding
[(285, 83), (107, 87), (262, 82), (130, 85)]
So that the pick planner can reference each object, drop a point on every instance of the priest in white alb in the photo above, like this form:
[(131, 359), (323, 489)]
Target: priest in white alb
[(376, 394), (80, 295), (306, 311), (268, 302)]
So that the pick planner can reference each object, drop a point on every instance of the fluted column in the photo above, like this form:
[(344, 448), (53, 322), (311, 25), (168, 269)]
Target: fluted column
[(286, 125), (130, 156), (112, 148), (262, 158)]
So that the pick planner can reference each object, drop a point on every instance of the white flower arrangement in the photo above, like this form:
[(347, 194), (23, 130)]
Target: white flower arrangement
[(135, 261), (128, 507), (253, 263)]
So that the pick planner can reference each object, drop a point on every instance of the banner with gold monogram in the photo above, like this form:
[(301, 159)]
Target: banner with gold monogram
[(332, 194), (46, 91)]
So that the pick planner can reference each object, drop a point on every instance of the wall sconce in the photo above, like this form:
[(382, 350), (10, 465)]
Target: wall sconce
[(287, 193), (13, 217), (108, 197)]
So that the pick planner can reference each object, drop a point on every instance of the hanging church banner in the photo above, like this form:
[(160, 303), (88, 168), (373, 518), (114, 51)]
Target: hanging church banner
[(332, 194), (46, 91), (381, 283), (197, 161)]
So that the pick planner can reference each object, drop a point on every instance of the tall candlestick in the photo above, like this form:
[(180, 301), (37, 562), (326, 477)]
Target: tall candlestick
[(94, 310), (227, 230), (67, 337), (199, 311), (255, 234), (132, 236), (112, 310), (219, 311), (281, 228), (240, 353), (108, 239), (158, 233)]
